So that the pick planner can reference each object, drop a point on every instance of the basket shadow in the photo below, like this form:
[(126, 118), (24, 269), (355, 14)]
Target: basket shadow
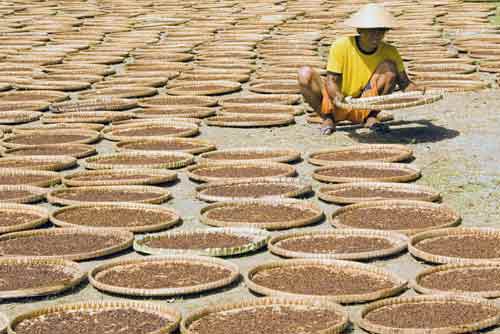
[(424, 131)]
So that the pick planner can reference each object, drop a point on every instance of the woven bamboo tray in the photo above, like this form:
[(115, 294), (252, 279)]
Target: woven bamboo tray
[(20, 129), (300, 189), (286, 99), (127, 91), (175, 111), (87, 117), (29, 105), (34, 194), (279, 155), (192, 172), (396, 153), (69, 267), (155, 121), (325, 193), (399, 244), (276, 87), (49, 163), (123, 81), (73, 150), (454, 85), (454, 68), (194, 146), (169, 313), (200, 101), (173, 220), (390, 102), (89, 137), (41, 213), (205, 88), (157, 194), (253, 303), (183, 159), (380, 329), (416, 252), (65, 86), (416, 283), (151, 177), (399, 283), (102, 103), (215, 77), (412, 172), (94, 275), (260, 108), (453, 221), (284, 202), (250, 120), (18, 117), (259, 239), (126, 241), (50, 178), (119, 132)]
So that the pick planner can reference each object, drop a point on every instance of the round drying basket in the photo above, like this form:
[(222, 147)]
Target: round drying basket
[(182, 160), (18, 117), (399, 244), (395, 152), (278, 155), (399, 284), (380, 329), (185, 130), (285, 202), (258, 238), (173, 316), (158, 195), (411, 173), (49, 178), (126, 241), (454, 220), (103, 103), (80, 150), (195, 146), (69, 267), (286, 171), (42, 216), (462, 231), (172, 220), (248, 304), (33, 193), (298, 191), (438, 270), (185, 100), (39, 162), (286, 99), (89, 137), (327, 193), (390, 102), (151, 177), (205, 88), (173, 259), (250, 120)]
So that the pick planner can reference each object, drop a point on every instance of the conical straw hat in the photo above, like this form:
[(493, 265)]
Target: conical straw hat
[(372, 16)]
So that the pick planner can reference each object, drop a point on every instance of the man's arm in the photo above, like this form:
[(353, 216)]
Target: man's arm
[(407, 85), (333, 84)]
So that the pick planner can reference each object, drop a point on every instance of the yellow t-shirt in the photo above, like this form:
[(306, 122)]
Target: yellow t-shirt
[(357, 67)]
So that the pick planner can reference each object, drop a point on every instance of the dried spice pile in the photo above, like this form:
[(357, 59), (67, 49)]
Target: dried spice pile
[(198, 241), (18, 277), (465, 246), (355, 155), (470, 279), (362, 172), (334, 244), (379, 193), (250, 190), (239, 171), (11, 218), (260, 213), (113, 195)]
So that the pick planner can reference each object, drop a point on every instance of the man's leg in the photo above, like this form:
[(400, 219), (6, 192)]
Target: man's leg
[(311, 85), (382, 82)]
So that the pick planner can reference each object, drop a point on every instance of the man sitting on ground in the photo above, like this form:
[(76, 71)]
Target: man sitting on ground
[(358, 66)]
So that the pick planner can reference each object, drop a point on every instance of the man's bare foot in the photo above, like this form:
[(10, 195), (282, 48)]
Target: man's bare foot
[(374, 124), (327, 127)]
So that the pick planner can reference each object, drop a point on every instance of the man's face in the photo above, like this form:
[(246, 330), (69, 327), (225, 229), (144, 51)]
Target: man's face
[(372, 37)]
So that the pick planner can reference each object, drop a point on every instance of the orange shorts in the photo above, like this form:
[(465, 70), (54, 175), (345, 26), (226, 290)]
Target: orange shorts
[(340, 114)]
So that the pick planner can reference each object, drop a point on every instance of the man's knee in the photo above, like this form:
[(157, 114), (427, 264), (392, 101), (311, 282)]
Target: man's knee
[(305, 76)]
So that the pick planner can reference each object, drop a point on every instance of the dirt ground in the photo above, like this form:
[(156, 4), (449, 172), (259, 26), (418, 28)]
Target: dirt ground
[(456, 145)]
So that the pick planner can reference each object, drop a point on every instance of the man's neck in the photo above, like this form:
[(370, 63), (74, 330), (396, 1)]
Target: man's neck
[(364, 48)]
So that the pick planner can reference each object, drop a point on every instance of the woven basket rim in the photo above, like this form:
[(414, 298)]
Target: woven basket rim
[(87, 117), (456, 218), (300, 190), (54, 177), (288, 170), (36, 193), (50, 163), (260, 240), (450, 267), (157, 176), (76, 272), (188, 89), (271, 120), (21, 129), (42, 213), (209, 261), (367, 325), (85, 150), (318, 214), (19, 116), (99, 103), (171, 314), (284, 155), (33, 105), (269, 301), (161, 194), (384, 102), (187, 130), (399, 283), (443, 232), (402, 152), (399, 240), (413, 172), (287, 99), (91, 137), (323, 192), (186, 159), (125, 242), (204, 145), (173, 220)]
